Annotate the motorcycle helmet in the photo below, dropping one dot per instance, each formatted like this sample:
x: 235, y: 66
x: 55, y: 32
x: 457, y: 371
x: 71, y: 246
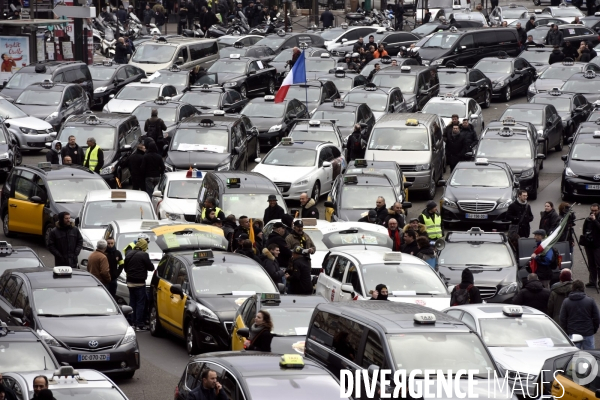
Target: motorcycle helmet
x: 144, y: 236
x: 355, y: 55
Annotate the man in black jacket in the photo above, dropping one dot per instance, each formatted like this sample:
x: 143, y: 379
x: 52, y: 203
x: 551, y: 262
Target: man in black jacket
x: 208, y: 19
x: 533, y: 294
x: 448, y: 128
x: 410, y: 243
x: 579, y: 315
x: 73, y: 150
x: 396, y: 213
x: 65, y: 241
x: 299, y: 273
x: 530, y: 24
x: 455, y: 147
x: 274, y: 211
x: 355, y: 143
x: 115, y: 260
x: 556, y: 56
x: 277, y: 237
x: 521, y: 34
x: 154, y: 128
x: 327, y: 18
x: 370, y: 218
x: 134, y: 163
x: 467, y: 130
x: 467, y: 282
x: 569, y: 51
x: 153, y: 167
x: 121, y: 51
x: 242, y: 229
x: 137, y: 265
x: 309, y: 207
x: 519, y: 213
x: 271, y: 264
x: 591, y: 233
x: 210, y: 389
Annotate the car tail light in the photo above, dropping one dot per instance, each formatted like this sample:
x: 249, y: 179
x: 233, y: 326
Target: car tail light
x: 176, y: 392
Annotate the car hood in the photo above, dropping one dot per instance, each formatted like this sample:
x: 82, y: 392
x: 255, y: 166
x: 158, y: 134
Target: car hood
x: 454, y: 89
x: 180, y: 206
x: 288, y: 344
x: 71, y: 208
x: 400, y: 157
x: 479, y: 193
x: 517, y: 165
x: 93, y: 234
x: 122, y: 106
x: 31, y: 123
x: 223, y: 77
x: 529, y: 360
x: 430, y: 54
x: 224, y: 306
x: 264, y: 124
x: 40, y: 112
x: 283, y: 174
x: 81, y: 327
x: 200, y: 160
x: 437, y: 302
x: 496, y: 77
x: 484, y: 276
x: 589, y: 168
x: 545, y: 85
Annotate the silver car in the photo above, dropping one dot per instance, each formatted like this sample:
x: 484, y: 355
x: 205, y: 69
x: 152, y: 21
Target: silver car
x: 30, y: 132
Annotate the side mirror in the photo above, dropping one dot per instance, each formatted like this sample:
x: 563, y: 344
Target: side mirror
x: 4, y: 84
x: 18, y: 313
x: 344, y: 40
x: 243, y: 332
x: 179, y: 60
x: 176, y: 289
x: 576, y: 337
x: 564, y: 157
x: 326, y: 164
x: 125, y: 148
x: 254, y: 130
x: 540, y: 156
x: 347, y: 288
x: 119, y: 80
x: 474, y: 116
x: 157, y: 193
x: 52, y: 135
x: 7, y: 124
x: 257, y: 160
x: 329, y: 204
x: 407, y: 185
x: 126, y: 310
x: 541, y: 140
x: 36, y: 200
x: 407, y: 204
x: 111, y: 96
x: 441, y: 183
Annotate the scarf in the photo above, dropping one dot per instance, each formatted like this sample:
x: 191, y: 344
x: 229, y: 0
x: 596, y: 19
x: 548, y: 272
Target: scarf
x: 395, y: 235
x: 254, y: 331
x: 521, y: 202
x: 301, y: 239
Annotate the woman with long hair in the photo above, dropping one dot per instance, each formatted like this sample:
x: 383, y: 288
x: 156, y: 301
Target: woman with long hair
x: 260, y: 333
x: 550, y: 219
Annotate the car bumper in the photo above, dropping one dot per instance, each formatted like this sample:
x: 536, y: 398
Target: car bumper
x: 456, y: 216
x: 213, y: 336
x: 498, y: 91
x: 33, y: 142
x: 527, y: 184
x: 291, y: 192
x: 420, y: 180
x: 122, y: 359
x: 579, y: 187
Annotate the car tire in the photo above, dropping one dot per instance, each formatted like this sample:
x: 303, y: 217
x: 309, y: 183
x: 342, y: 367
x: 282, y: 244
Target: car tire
x: 244, y: 91
x: 316, y: 191
x: 7, y: 232
x: 156, y: 329
x: 270, y: 88
x: 18, y: 156
x: 432, y: 188
x: 534, y: 193
x: 47, y: 230
x: 561, y: 142
x: 191, y: 343
x: 488, y: 99
x: 507, y: 93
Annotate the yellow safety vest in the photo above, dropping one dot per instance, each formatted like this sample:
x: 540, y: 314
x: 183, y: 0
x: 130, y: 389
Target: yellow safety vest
x: 93, y: 157
x: 433, y: 226
x: 130, y: 246
x: 217, y: 211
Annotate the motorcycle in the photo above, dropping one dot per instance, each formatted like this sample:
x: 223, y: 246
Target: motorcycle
x: 239, y: 25
x: 104, y: 38
x: 196, y: 32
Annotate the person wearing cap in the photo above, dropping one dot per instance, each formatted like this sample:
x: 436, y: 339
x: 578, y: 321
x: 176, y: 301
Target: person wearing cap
x: 416, y: 226
x: 288, y: 222
x: 274, y: 210
x: 309, y: 207
x: 558, y: 293
x: 533, y: 294
x: 299, y: 238
x: 467, y: 283
x: 277, y: 238
x: 371, y: 218
x: 131, y: 245
x: 137, y: 265
x: 544, y: 263
x: 380, y: 293
x: 432, y: 220
x: 299, y: 274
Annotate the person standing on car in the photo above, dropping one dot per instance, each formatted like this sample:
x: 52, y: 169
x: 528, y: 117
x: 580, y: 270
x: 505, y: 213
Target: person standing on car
x: 134, y: 164
x: 137, y: 265
x: 590, y: 239
x: 65, y: 241
x: 94, y: 156
x: 558, y: 293
x: 579, y: 315
x: 519, y: 214
x: 72, y: 150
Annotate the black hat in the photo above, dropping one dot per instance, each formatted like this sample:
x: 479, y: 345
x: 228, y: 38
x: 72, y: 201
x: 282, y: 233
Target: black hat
x: 278, y: 225
x: 540, y: 232
x: 299, y: 223
x: 272, y: 197
x: 243, y: 236
x: 431, y: 205
x: 372, y: 214
x: 215, y: 220
x: 287, y: 220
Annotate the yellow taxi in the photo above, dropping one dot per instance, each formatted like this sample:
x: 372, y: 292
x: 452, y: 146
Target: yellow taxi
x: 572, y: 376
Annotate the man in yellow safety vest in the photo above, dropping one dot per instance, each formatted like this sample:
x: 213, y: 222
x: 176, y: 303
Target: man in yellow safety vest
x: 210, y: 202
x: 94, y: 157
x: 432, y: 221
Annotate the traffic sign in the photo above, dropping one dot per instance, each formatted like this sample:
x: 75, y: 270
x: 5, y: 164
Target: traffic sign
x: 75, y: 11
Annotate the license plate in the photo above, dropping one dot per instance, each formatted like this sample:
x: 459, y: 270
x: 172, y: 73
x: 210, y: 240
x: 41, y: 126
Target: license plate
x: 93, y: 357
x: 592, y: 187
x: 476, y: 216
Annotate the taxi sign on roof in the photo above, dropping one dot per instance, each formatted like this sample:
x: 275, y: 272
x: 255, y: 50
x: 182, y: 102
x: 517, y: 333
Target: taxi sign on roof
x: 360, y: 163
x: 425, y: 318
x: 266, y: 297
x: 291, y: 361
x: 287, y: 141
x: 309, y: 222
x: 192, y: 239
x: 392, y: 256
x: 512, y: 311
x: 233, y: 181
x: 350, y: 179
x: 5, y: 248
x: 193, y: 173
x: 117, y: 194
x: 203, y: 255
x: 44, y: 165
x: 62, y: 271
x: 412, y: 122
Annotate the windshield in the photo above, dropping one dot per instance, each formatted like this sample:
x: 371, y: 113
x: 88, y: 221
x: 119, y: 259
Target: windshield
x: 184, y: 189
x: 227, y: 277
x: 142, y: 113
x: 504, y: 148
x: 202, y: 100
x: 376, y: 101
x: 582, y: 86
x: 534, y: 331
x: 227, y: 51
x: 313, y: 94
x: 82, y: 393
x: 404, y: 279
x: 290, y: 157
x: 513, y: 13
x: 562, y: 73
x: 568, y: 12
x: 356, y: 237
x: 536, y: 117
x: 494, y: 67
x: 149, y: 53
x: 446, y: 109
x: 99, y: 213
x: 296, y: 386
x: 425, y: 29
x: 476, y: 254
x: 285, y: 55
x: 483, y: 177
x: 21, y: 80
x: 357, y: 197
x: 271, y: 41
x: 39, y: 98
x: 323, y: 135
x: 342, y: 84
x: 228, y: 67
x: 562, y: 104
x: 421, y: 351
x: 24, y: 262
x: 586, y: 152
x: 25, y: 356
x: 141, y: 93
x: 105, y: 137
x: 406, y: 83
x: 73, y: 190
x: 290, y: 321
x: 317, y: 237
x: 323, y: 65
x: 203, y: 139
x: 390, y: 173
x: 536, y: 56
x: 400, y: 139
x: 342, y: 118
x: 169, y: 77
x: 264, y: 110
x: 442, y: 40
x: 452, y: 78
x: 252, y: 205
x: 8, y: 110
x: 100, y: 73
x: 124, y: 239
x: 71, y: 301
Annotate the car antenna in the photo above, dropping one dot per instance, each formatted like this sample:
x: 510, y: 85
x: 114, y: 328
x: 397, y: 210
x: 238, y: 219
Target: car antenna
x: 363, y: 240
x: 45, y: 368
x: 141, y: 213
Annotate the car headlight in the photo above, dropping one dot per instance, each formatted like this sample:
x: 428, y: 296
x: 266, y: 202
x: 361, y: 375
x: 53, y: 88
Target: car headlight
x: 504, y: 204
x: 173, y: 216
x: 448, y: 203
x: 569, y: 172
x: 87, y: 245
x: 105, y: 109
x: 205, y: 312
x: 531, y: 88
x: 302, y: 182
x: 129, y: 336
x: 426, y: 62
x: 50, y: 341
x: 101, y: 89
x: 422, y: 167
x: 500, y: 82
x: 410, y: 104
x: 52, y: 116
x: 527, y: 173
x: 230, y: 84
x: 437, y: 62
x: 4, y: 156
x: 508, y: 289
x: 109, y: 169
x: 169, y: 168
x: 223, y: 167
x: 275, y: 128
x: 28, y: 131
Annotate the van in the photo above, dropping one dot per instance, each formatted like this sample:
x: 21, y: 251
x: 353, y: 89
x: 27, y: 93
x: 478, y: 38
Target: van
x: 414, y: 141
x: 466, y: 47
x: 163, y: 53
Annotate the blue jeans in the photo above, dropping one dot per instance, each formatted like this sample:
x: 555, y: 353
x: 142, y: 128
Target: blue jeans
x: 587, y: 344
x: 137, y: 301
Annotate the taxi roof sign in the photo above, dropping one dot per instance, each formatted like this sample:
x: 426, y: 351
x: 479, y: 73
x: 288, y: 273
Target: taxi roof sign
x: 555, y: 92
x: 62, y: 271
x: 412, y: 122
x: 314, y: 122
x: 270, y: 297
x: 47, y: 83
x: 509, y: 121
x: 233, y: 181
x: 360, y: 162
x: 269, y: 98
x: 370, y: 87
x: 481, y: 161
x: 339, y: 103
x: 596, y: 135
x: 5, y: 248
x: 287, y: 141
x: 506, y: 131
x: 174, y: 68
x: 512, y: 311
x: 589, y: 74
x: 348, y: 179
x: 291, y: 361
x: 425, y: 318
x: 45, y: 165
x: 234, y: 56
x: 118, y: 194
x: 309, y: 221
x: 202, y: 255
x: 218, y: 112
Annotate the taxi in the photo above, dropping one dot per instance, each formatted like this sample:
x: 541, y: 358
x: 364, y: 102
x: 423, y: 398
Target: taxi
x: 33, y: 196
x: 380, y: 100
x: 74, y: 314
x: 244, y: 74
x: 181, y: 79
x: 171, y: 112
x: 520, y: 339
x: 317, y: 130
x: 208, y: 98
x: 190, y: 296
x: 346, y: 115
x: 573, y: 108
x: 581, y: 177
x: 391, y: 169
x: 344, y: 80
x: 24, y: 256
x: 292, y: 314
x: 137, y: 93
x: 569, y: 376
x: 23, y: 350
x: 466, y: 108
x: 109, y: 77
x: 176, y: 194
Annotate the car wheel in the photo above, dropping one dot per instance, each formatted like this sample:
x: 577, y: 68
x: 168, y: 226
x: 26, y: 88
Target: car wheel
x: 432, y: 188
x: 537, y: 2
x: 7, y: 232
x: 271, y: 88
x: 190, y: 339
x: 316, y: 192
x: 507, y: 93
x: 47, y: 231
x: 155, y: 328
x: 244, y: 91
x: 560, y: 144
x: 18, y: 156
x: 488, y: 99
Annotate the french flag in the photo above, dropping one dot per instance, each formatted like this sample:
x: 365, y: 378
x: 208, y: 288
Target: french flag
x: 296, y: 75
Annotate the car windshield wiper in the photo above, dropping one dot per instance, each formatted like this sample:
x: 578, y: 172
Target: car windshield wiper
x: 49, y: 315
x: 479, y: 265
x: 432, y: 47
x: 204, y: 107
x: 85, y: 315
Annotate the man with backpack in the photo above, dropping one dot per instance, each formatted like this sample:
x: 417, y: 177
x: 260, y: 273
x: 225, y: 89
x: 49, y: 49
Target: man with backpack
x: 154, y: 128
x: 466, y: 292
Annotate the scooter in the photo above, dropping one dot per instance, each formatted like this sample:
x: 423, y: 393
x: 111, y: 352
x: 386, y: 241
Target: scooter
x: 196, y: 32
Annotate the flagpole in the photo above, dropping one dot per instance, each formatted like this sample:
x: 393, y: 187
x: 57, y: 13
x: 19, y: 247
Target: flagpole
x: 304, y: 46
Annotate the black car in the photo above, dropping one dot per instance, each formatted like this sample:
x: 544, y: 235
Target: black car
x: 591, y: 22
x: 344, y: 80
x: 418, y: 84
x: 509, y: 76
x: 572, y: 108
x: 21, y: 256
x: 207, y: 99
x: 219, y: 142
x: 478, y: 194
x: 274, y: 120
x: 117, y: 135
x: 109, y: 78
x: 23, y: 350
x: 171, y: 112
x: 538, y: 57
x: 391, y: 169
x: 10, y: 153
x: 232, y: 40
x: 246, y: 75
x: 313, y: 93
x: 280, y: 62
x: 585, y: 83
x: 346, y: 115
x: 263, y: 53
x: 465, y: 82
x: 180, y: 78
x: 518, y: 145
x: 393, y: 41
x: 574, y: 33
x: 595, y: 113
x: 581, y: 177
x: 381, y: 101
x: 557, y: 74
x: 544, y: 117
x: 74, y: 314
x: 288, y: 40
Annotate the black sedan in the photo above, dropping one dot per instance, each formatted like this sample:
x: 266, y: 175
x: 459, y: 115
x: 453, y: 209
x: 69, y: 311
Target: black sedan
x: 344, y: 81
x: 581, y: 177
x: 538, y: 57
x: 346, y: 115
x: 465, y: 82
x: 109, y: 78
x: 508, y: 75
x: 246, y: 75
x: 207, y: 99
x: 572, y: 108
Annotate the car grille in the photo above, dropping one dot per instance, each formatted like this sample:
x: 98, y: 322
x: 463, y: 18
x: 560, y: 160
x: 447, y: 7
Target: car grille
x: 93, y: 350
x: 36, y: 144
x: 190, y: 217
x: 477, y: 206
x: 487, y: 292
x: 283, y: 186
x: 408, y: 168
x: 228, y: 326
x: 589, y: 178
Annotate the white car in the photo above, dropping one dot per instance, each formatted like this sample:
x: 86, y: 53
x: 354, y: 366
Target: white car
x: 508, y: 14
x: 464, y: 107
x: 102, y: 206
x: 32, y: 133
x: 520, y: 339
x: 345, y: 36
x: 137, y: 93
x: 439, y: 8
x: 321, y: 130
x: 176, y: 195
x: 299, y: 167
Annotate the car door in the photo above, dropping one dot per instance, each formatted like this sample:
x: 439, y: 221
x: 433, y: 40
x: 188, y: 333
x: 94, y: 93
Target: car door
x: 371, y: 352
x: 479, y: 85
x: 560, y: 370
x: 521, y: 75
x: 177, y: 303
x: 236, y: 101
x: 240, y: 320
x: 581, y: 109
x: 12, y: 284
x: 162, y: 185
x: 122, y: 78
x: 422, y: 91
x: 67, y: 104
x: 338, y: 274
x: 253, y: 81
x: 353, y: 277
x: 474, y: 116
x: 465, y: 52
x: 165, y: 273
x: 25, y: 210
x: 325, y: 172
x: 238, y: 144
x: 324, y: 281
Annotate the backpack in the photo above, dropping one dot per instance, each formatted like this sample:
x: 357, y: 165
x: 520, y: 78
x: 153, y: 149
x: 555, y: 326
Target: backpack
x: 556, y: 261
x: 153, y: 129
x: 460, y: 296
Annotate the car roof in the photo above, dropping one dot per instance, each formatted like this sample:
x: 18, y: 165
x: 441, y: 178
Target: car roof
x: 414, y: 69
x: 262, y: 100
x: 376, y: 255
x: 219, y: 121
x: 94, y: 379
x: 112, y: 65
x: 481, y: 311
x: 57, y: 171
x: 147, y: 84
x: 547, y: 95
x: 168, y: 104
x: 177, y: 40
x: 579, y: 76
x: 392, y: 120
x: 474, y: 235
x: 40, y: 278
x: 527, y: 106
x: 475, y: 165
x: 494, y: 127
x: 56, y: 87
x: 304, y: 144
x: 250, y: 182
x: 443, y: 99
x: 293, y: 301
x: 375, y: 163
x: 368, y: 178
x: 112, y: 119
x: 51, y: 66
x: 99, y: 195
